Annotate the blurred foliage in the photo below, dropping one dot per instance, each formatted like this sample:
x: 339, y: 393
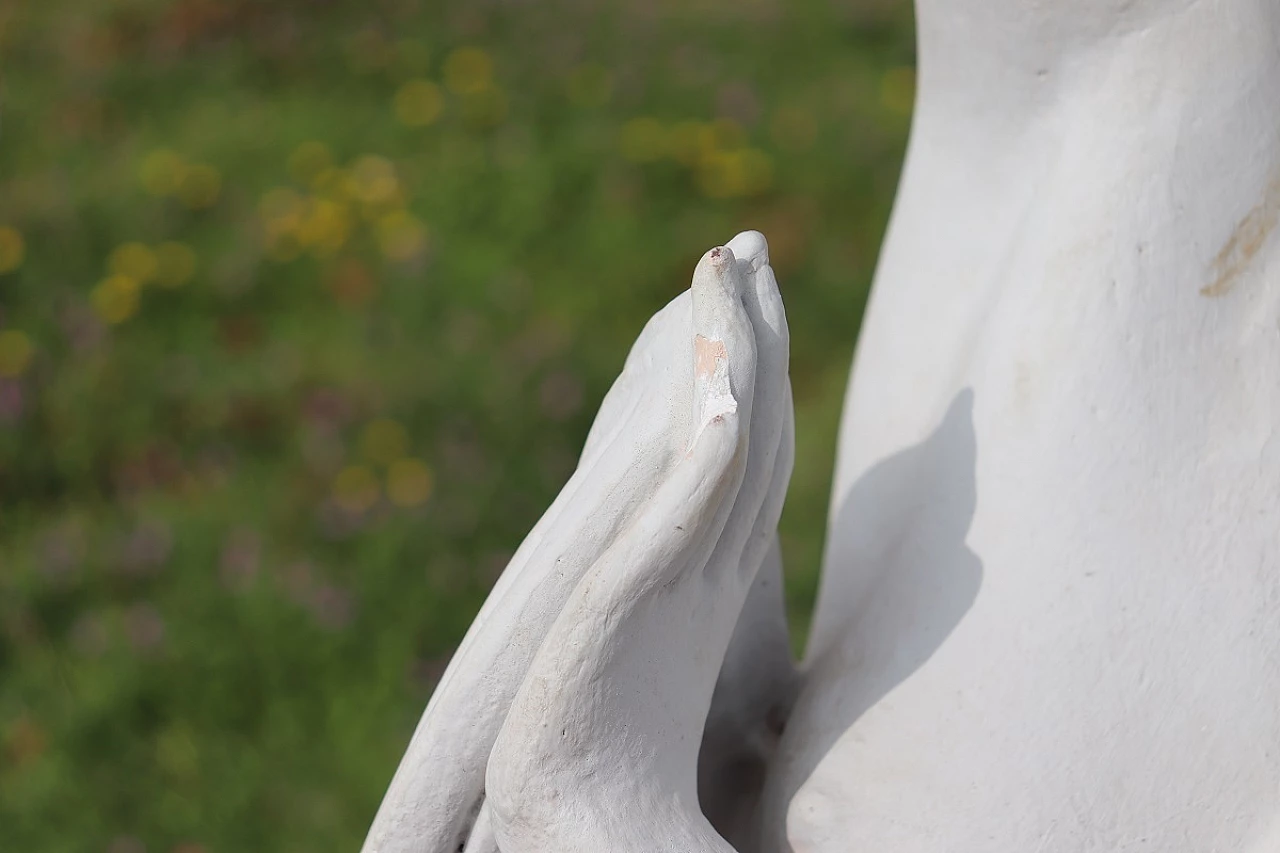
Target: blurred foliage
x: 305, y: 308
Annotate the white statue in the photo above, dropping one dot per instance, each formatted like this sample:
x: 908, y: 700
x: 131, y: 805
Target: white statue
x: 1049, y: 619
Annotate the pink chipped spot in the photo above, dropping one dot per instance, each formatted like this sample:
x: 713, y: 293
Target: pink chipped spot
x: 706, y: 354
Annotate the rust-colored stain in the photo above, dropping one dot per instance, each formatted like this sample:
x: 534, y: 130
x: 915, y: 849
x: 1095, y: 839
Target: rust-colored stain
x: 1246, y: 240
x: 705, y: 355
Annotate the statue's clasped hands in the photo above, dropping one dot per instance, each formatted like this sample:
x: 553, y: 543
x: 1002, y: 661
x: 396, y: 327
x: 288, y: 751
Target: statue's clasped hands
x: 578, y: 714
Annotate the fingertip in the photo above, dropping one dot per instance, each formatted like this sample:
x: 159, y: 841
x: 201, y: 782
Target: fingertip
x: 726, y: 354
x: 717, y: 271
x: 751, y: 247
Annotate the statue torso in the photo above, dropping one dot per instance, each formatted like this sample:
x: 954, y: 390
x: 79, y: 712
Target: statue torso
x: 1050, y: 612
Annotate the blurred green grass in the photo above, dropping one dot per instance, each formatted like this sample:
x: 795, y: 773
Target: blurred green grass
x: 305, y: 308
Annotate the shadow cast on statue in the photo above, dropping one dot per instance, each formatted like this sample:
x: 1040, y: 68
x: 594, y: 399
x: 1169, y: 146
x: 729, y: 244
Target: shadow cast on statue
x: 899, y: 577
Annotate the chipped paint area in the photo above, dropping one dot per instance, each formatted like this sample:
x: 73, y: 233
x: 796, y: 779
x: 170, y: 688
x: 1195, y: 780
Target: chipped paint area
x: 1247, y: 239
x: 706, y: 355
x: 711, y: 382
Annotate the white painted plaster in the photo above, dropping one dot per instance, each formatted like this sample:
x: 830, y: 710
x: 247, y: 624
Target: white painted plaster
x: 1049, y: 617
x: 683, y: 400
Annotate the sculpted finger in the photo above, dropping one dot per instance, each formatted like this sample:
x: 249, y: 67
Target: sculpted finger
x: 595, y: 753
x: 642, y: 433
x: 756, y: 686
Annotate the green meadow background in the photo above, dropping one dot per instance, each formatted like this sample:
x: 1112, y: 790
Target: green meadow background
x: 305, y: 310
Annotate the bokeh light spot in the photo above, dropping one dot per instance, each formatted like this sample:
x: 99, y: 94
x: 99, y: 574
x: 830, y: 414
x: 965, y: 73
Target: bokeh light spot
x: 726, y: 133
x: 409, y: 482
x: 375, y: 180
x: 355, y: 489
x: 733, y: 174
x: 689, y: 141
x: 115, y: 298
x: 133, y: 259
x: 401, y: 236
x: 325, y: 227
x: 418, y: 103
x: 162, y: 172
x: 200, y: 186
x: 282, y: 211
x: 383, y: 441
x: 15, y: 352
x: 334, y: 183
x: 12, y: 249
x: 468, y: 71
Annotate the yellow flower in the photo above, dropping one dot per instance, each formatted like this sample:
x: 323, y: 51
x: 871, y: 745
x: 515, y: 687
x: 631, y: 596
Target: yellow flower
x: 383, y: 441
x: 15, y: 352
x: 325, y: 227
x: 282, y: 211
x: 400, y: 235
x: 409, y: 482
x: 333, y: 183
x: 898, y: 90
x: 731, y: 174
x: 12, y: 249
x: 418, y: 103
x: 134, y: 260
x: 726, y: 133
x: 642, y: 140
x: 690, y: 141
x: 375, y: 180
x: 468, y: 70
x: 355, y: 488
x: 309, y: 160
x: 175, y: 264
x: 200, y: 186
x: 116, y: 298
x: 162, y: 172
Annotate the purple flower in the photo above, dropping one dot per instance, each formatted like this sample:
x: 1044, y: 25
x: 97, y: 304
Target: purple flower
x: 61, y: 552
x: 11, y: 399
x: 331, y: 606
x: 241, y: 559
x: 144, y: 627
x: 126, y: 844
x: 146, y: 548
